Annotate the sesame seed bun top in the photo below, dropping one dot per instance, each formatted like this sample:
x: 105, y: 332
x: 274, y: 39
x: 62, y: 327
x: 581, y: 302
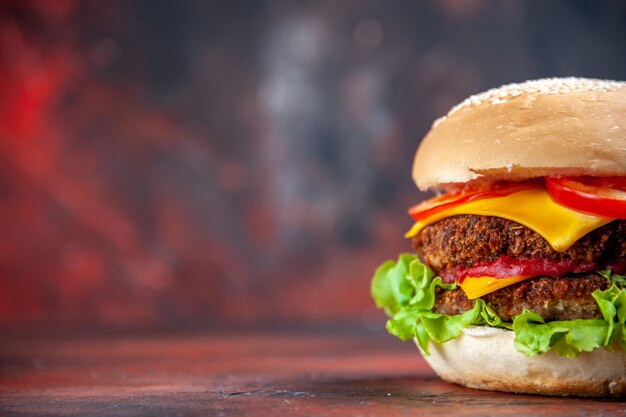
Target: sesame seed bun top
x: 552, y: 126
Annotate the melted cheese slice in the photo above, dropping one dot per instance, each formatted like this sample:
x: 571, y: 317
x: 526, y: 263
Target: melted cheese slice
x: 533, y: 208
x: 479, y: 286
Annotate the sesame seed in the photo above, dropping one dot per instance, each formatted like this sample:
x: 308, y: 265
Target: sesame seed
x: 535, y: 87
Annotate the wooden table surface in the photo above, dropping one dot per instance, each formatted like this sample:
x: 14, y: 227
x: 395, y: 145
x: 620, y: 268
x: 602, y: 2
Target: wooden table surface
x: 252, y: 373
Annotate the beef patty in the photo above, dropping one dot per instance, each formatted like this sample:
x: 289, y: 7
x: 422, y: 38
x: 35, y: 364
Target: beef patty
x: 465, y: 240
x: 564, y: 298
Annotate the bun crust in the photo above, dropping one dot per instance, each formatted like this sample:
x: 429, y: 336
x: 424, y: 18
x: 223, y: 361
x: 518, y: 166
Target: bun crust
x: 556, y: 126
x: 485, y: 358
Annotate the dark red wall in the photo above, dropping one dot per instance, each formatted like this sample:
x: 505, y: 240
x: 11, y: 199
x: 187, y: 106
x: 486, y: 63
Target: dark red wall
x: 176, y: 163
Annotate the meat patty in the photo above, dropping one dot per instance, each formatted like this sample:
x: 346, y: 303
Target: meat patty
x: 565, y: 298
x: 466, y: 240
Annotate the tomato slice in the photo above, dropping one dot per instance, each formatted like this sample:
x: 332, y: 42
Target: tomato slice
x: 603, y: 196
x: 429, y: 207
x: 434, y: 205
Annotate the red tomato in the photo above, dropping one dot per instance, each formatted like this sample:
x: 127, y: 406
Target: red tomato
x: 434, y: 205
x: 603, y: 196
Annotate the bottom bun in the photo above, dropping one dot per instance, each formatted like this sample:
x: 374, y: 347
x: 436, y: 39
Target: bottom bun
x: 484, y: 357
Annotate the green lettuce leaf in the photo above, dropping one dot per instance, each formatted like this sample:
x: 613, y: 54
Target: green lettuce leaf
x: 612, y: 303
x: 406, y: 291
x: 441, y: 328
x: 619, y: 280
x: 492, y: 319
x: 567, y: 338
x: 390, y: 287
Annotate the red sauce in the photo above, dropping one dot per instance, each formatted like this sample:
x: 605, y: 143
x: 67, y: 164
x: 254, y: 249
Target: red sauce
x: 506, y: 266
x: 618, y: 267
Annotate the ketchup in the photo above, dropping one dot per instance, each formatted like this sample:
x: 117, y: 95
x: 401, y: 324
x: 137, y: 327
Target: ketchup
x: 507, y: 266
x: 618, y: 267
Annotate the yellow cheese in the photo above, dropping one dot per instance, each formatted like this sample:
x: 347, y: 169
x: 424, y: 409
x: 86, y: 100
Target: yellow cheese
x: 533, y: 208
x: 479, y: 286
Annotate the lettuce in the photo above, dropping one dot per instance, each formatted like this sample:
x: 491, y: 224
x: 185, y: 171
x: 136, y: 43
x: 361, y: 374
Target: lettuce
x: 406, y: 291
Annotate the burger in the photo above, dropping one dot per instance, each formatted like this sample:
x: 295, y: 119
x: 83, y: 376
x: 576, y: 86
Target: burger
x: 517, y: 281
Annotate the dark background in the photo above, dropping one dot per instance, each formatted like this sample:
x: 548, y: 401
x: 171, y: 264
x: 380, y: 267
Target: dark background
x: 204, y: 163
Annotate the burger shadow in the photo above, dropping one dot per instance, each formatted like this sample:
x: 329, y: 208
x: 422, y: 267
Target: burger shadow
x: 429, y: 390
